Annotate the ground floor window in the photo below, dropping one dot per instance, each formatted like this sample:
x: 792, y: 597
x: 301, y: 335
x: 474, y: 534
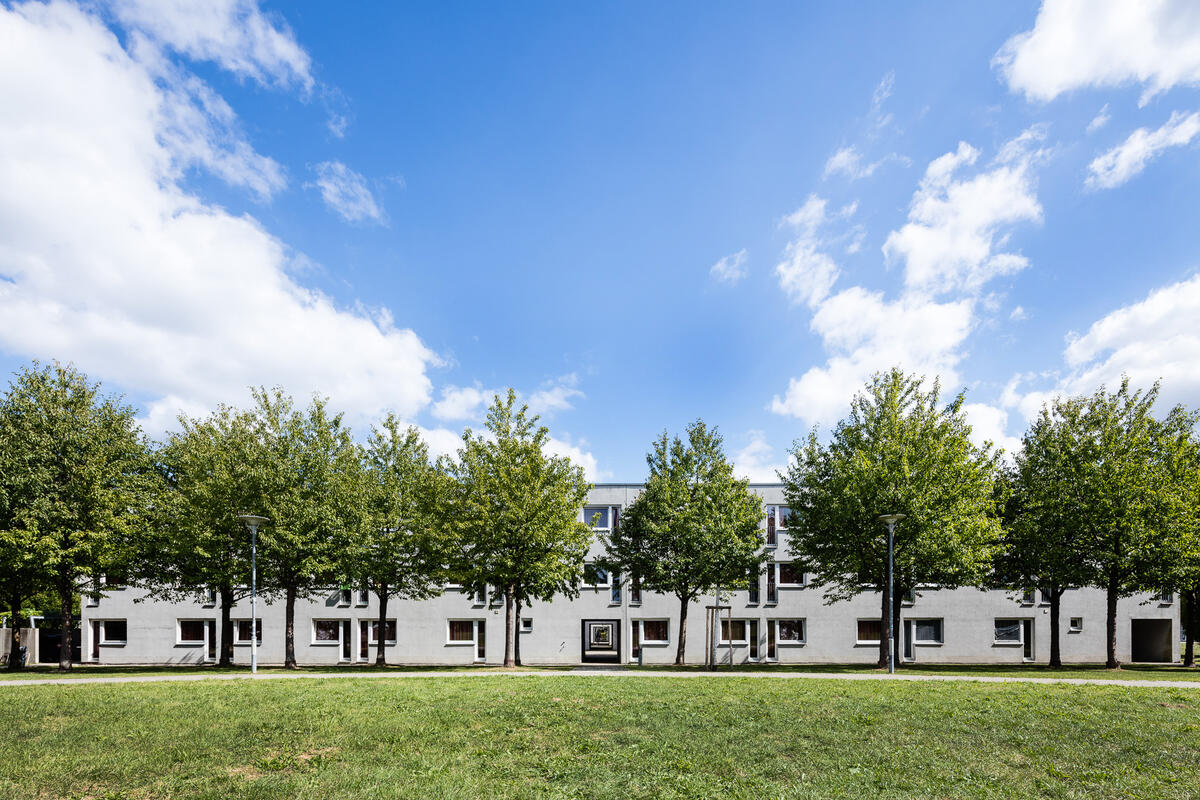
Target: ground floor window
x: 190, y: 631
x: 389, y: 632
x: 734, y: 631
x: 1017, y: 631
x: 791, y: 631
x: 1076, y: 624
x: 241, y: 628
x: 526, y: 624
x: 114, y: 631
x: 648, y: 632
x: 1008, y: 631
x: 928, y: 631
x: 468, y: 632
x: 327, y: 631
x: 870, y: 631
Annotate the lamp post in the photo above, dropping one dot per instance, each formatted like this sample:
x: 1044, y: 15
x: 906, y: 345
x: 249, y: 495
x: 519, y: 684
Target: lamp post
x: 890, y: 520
x: 253, y: 522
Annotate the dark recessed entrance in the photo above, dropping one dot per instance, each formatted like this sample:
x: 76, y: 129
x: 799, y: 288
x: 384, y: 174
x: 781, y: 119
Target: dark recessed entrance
x: 1151, y: 640
x: 600, y: 641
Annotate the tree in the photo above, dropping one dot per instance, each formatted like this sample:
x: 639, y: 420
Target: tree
x: 511, y: 511
x: 398, y: 551
x: 1046, y: 535
x: 897, y: 452
x: 81, y: 482
x: 308, y: 475
x: 1184, y: 533
x: 694, y: 528
x: 199, y: 543
x: 1128, y: 490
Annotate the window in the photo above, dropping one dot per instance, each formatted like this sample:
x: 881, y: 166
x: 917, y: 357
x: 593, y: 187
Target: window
x: 1166, y: 597
x: 908, y: 598
x: 468, y: 632
x: 735, y: 628
x: 1027, y: 597
x: 389, y: 632
x: 1044, y: 598
x: 344, y: 597
x: 655, y: 631
x: 772, y: 538
x: 191, y: 631
x: 526, y: 624
x: 363, y: 598
x: 789, y: 574
x: 1008, y: 631
x: 113, y: 631
x: 1076, y: 625
x: 615, y: 595
x: 596, y: 516
x: 927, y: 631
x: 791, y: 631
x: 752, y: 589
x: 635, y: 591
x: 92, y: 600
x: 210, y: 598
x: 870, y: 631
x: 242, y: 631
x: 772, y: 584
x: 594, y: 576
x: 784, y: 515
x: 327, y: 631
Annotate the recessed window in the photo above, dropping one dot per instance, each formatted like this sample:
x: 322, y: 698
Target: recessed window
x: 344, y: 597
x: 635, y: 591
x: 468, y: 632
x: 1008, y: 631
x: 1166, y: 597
x: 733, y: 631
x: 1028, y: 597
x: 327, y: 631
x: 526, y: 624
x: 389, y: 632
x: 754, y: 585
x: 596, y: 517
x: 210, y: 598
x: 927, y: 631
x: 870, y: 631
x: 656, y: 631
x: 614, y: 597
x: 790, y: 575
x: 1044, y: 598
x: 1076, y: 624
x: 908, y: 598
x: 595, y: 576
x: 191, y: 631
x: 241, y: 629
x: 114, y: 631
x: 790, y: 631
x: 363, y: 598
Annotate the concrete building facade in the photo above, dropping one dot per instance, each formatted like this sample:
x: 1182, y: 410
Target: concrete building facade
x: 784, y: 621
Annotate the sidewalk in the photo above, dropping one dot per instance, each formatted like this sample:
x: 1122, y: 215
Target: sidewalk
x: 603, y: 675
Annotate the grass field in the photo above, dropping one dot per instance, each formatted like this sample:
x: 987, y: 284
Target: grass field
x: 578, y: 736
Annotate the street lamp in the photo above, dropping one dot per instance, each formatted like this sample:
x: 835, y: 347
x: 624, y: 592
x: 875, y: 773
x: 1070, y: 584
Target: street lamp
x: 890, y: 520
x: 253, y: 522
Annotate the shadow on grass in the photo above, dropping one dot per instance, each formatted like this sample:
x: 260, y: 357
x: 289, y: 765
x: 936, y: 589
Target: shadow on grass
x: 1100, y: 671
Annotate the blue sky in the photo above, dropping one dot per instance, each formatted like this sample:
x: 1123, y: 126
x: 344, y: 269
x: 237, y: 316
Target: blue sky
x: 635, y: 214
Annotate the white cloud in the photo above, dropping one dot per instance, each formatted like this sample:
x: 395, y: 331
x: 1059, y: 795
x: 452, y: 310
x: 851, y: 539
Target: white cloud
x: 730, y: 269
x: 555, y: 395
x: 578, y: 455
x: 807, y: 274
x: 1100, y: 120
x: 233, y: 33
x: 1077, y: 44
x: 990, y: 424
x: 1019, y: 313
x: 950, y: 240
x: 337, y: 124
x: 848, y: 161
x: 948, y: 247
x: 346, y: 192
x: 756, y: 460
x: 107, y: 261
x: 1131, y: 156
x: 880, y: 119
x: 463, y: 402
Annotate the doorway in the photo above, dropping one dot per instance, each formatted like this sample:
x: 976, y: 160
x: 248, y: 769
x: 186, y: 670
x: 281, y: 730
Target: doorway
x: 1150, y: 640
x: 600, y: 641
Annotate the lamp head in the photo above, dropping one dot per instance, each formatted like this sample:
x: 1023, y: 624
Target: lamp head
x: 891, y: 519
x: 253, y: 521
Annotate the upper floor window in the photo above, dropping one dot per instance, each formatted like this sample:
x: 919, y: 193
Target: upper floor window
x: 595, y: 575
x: 601, y: 517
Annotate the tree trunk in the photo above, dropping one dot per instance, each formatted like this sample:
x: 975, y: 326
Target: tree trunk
x: 1111, y: 624
x: 289, y: 630
x: 517, y: 641
x: 381, y: 636
x: 509, y: 628
x: 1055, y: 615
x: 66, y: 596
x: 14, y: 644
x: 1189, y: 621
x: 226, y: 657
x: 682, y: 648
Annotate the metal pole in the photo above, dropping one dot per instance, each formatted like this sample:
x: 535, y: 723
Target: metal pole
x: 253, y: 599
x: 891, y: 637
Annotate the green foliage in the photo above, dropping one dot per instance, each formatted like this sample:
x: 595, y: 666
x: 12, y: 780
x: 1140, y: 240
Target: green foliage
x: 77, y: 486
x: 512, y: 512
x: 897, y: 452
x: 694, y: 528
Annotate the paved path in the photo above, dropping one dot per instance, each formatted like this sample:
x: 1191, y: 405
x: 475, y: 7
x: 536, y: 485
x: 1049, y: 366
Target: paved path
x: 602, y: 674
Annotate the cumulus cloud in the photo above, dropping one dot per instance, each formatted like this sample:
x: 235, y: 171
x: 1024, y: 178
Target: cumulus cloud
x: 1100, y: 120
x: 1131, y: 156
x: 463, y: 402
x: 346, y: 193
x: 949, y: 246
x: 555, y: 395
x: 108, y: 261
x: 730, y: 269
x: 756, y: 461
x: 954, y: 223
x: 990, y: 424
x: 235, y: 34
x: 807, y: 273
x: 1078, y: 44
x: 848, y: 161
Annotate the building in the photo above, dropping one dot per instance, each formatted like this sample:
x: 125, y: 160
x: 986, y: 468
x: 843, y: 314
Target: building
x: 782, y: 621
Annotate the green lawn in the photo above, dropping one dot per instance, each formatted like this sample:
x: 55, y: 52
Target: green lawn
x: 567, y: 736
